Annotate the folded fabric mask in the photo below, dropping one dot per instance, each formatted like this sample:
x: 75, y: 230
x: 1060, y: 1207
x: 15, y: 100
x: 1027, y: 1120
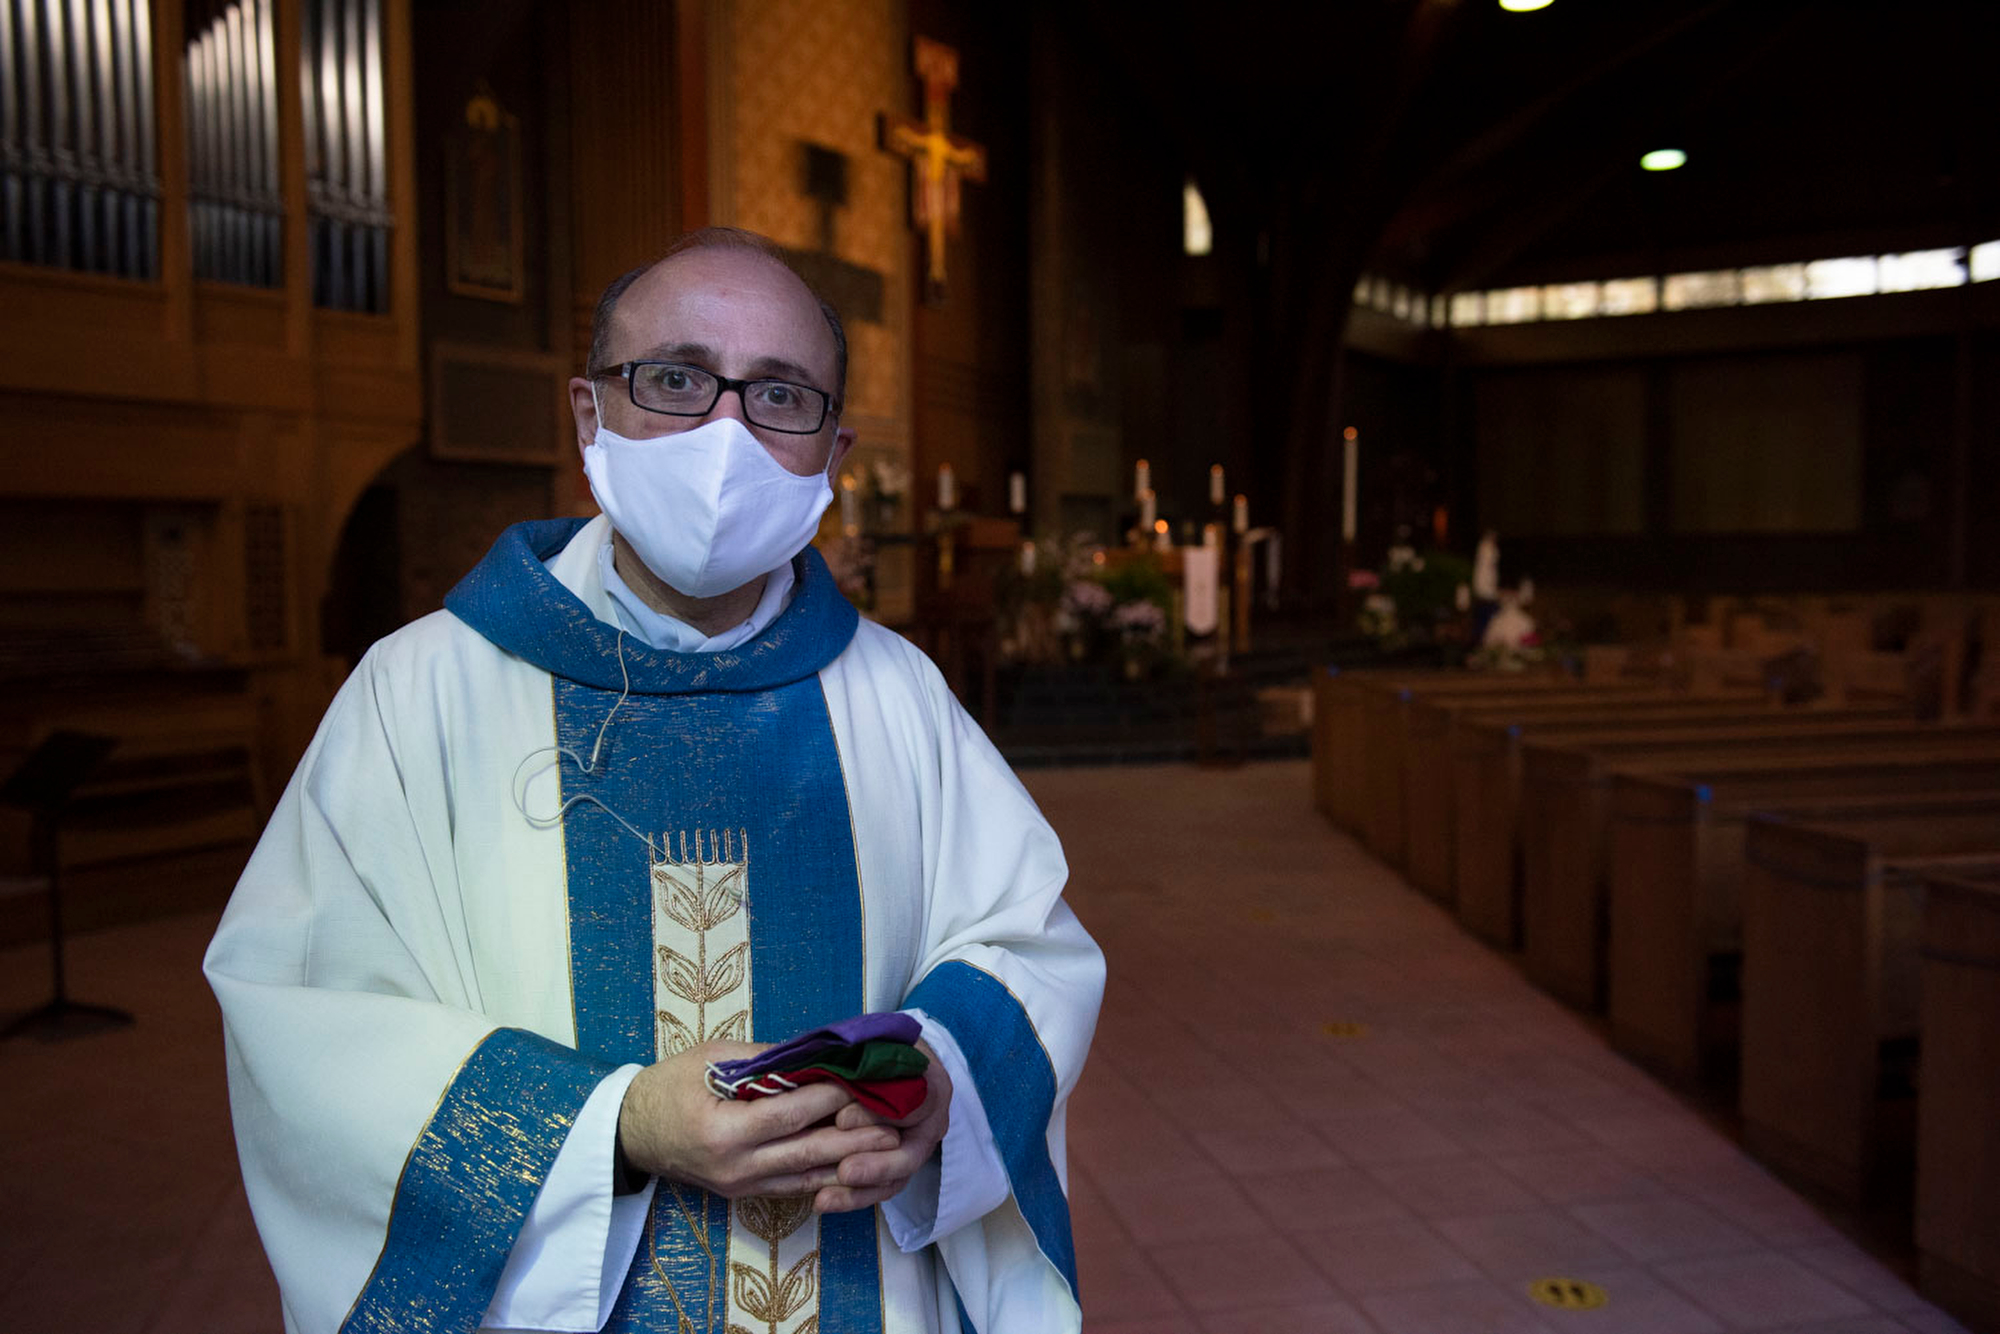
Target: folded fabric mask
x: 872, y: 1056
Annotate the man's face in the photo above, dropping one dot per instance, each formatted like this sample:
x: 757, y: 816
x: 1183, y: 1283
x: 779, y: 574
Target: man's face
x: 732, y: 312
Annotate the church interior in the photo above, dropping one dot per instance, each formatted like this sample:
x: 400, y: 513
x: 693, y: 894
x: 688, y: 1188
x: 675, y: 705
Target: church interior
x: 1475, y: 520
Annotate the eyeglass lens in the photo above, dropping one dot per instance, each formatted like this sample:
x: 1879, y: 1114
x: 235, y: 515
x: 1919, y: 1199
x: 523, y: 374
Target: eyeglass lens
x: 690, y: 391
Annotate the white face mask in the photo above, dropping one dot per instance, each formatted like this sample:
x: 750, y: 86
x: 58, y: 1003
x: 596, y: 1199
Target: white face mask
x: 709, y: 509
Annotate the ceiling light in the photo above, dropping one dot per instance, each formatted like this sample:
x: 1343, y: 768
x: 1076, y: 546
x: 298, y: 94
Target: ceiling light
x: 1523, y: 6
x: 1663, y: 159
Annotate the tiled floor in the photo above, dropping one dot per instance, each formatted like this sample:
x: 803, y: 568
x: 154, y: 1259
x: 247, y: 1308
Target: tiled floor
x: 1313, y: 1106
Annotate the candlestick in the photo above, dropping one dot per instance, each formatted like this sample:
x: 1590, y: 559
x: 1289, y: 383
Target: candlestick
x: 947, y: 488
x: 850, y: 505
x: 1142, y: 478
x: 1017, y: 493
x: 1147, y: 509
x: 1240, y: 521
x: 1216, y: 491
x: 1349, y: 477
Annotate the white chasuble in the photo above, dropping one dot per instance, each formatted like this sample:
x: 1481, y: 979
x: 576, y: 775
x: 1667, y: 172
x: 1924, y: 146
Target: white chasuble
x: 426, y: 969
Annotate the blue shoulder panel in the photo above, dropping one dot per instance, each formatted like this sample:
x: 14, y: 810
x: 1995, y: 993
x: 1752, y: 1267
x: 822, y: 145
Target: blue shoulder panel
x: 470, y: 1181
x: 1017, y: 1086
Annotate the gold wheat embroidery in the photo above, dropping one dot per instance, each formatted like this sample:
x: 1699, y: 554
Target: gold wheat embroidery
x: 774, y: 1295
x: 700, y: 893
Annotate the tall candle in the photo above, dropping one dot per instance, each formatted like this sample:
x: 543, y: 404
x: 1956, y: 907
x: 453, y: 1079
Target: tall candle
x: 1142, y: 477
x: 1027, y: 555
x: 1017, y: 493
x: 1349, y: 476
x: 1240, y: 520
x: 1216, y: 491
x: 850, y: 505
x: 947, y: 488
x: 1148, y: 508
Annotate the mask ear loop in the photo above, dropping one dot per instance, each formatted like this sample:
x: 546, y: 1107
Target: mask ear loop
x: 519, y: 790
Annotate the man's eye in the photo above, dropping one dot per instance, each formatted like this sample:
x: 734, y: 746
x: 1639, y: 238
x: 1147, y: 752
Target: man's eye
x: 778, y: 395
x: 675, y: 379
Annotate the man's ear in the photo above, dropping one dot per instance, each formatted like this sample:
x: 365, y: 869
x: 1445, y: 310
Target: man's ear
x: 843, y: 441
x: 583, y: 408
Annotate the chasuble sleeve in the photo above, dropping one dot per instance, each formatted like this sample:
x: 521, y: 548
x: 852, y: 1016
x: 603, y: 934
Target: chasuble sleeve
x: 392, y: 1136
x: 1013, y: 976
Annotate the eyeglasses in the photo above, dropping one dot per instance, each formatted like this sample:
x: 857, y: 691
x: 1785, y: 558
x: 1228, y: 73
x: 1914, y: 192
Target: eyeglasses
x: 689, y: 391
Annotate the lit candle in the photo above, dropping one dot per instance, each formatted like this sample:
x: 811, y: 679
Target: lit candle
x: 1161, y: 542
x: 1216, y: 490
x: 1027, y: 554
x: 1017, y: 493
x: 947, y: 488
x: 1142, y: 478
x: 850, y: 505
x: 1147, y: 508
x: 1349, y: 476
x: 1240, y: 521
x: 1211, y: 534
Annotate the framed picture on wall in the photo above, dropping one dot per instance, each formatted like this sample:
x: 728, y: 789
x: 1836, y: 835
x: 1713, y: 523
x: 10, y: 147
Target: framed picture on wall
x: 482, y: 191
x: 499, y: 405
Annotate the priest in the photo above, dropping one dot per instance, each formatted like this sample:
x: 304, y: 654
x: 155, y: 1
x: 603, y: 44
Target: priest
x: 646, y: 796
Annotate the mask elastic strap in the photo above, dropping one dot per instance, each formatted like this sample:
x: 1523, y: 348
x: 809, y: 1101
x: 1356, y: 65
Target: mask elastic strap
x: 518, y: 789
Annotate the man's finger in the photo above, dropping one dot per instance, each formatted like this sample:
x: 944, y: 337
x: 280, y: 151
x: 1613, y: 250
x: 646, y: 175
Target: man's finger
x: 788, y: 1113
x: 844, y: 1199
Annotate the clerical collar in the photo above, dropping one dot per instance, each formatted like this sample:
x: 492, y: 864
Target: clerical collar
x: 677, y: 636
x: 543, y: 602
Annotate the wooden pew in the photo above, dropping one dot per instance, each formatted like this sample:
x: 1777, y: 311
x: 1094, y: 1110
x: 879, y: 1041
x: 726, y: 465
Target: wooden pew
x: 1958, y: 1107
x: 1486, y: 787
x: 1342, y: 700
x: 1832, y: 915
x: 1437, y: 726
x: 1386, y: 735
x: 1675, y: 916
x: 1565, y: 822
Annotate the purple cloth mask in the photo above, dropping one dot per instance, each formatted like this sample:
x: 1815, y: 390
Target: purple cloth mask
x: 889, y: 1026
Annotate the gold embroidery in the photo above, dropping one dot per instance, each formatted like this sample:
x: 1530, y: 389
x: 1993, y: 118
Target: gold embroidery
x: 700, y: 893
x: 775, y: 1295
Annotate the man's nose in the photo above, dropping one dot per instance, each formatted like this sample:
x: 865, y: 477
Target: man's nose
x: 729, y: 403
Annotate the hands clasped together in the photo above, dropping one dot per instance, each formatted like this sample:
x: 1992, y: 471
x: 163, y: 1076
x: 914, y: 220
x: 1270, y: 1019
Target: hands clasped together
x: 815, y: 1140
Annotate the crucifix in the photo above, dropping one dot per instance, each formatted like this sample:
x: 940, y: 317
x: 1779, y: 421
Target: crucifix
x: 939, y: 159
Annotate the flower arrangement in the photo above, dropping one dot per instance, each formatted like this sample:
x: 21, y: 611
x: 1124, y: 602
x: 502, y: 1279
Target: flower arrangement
x: 1066, y: 602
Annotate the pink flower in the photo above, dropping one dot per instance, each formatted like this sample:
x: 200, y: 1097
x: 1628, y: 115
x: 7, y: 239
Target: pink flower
x: 1363, y: 579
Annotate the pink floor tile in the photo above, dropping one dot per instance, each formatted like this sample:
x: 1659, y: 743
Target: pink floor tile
x: 1761, y: 1290
x: 1120, y: 1283
x: 1162, y: 1324
x: 1298, y: 1202
x: 1636, y: 1303
x: 1493, y: 1128
x: 1383, y: 1137
x: 1273, y: 1146
x: 1453, y: 1187
x: 1310, y: 1318
x: 1390, y: 1253
x: 1255, y: 1271
x: 1861, y: 1274
x: 1667, y: 1228
x: 1530, y: 1246
x: 1452, y: 1308
x: 1581, y: 1176
x: 1196, y: 1204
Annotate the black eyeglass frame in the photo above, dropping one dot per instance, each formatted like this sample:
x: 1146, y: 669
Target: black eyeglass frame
x: 723, y: 384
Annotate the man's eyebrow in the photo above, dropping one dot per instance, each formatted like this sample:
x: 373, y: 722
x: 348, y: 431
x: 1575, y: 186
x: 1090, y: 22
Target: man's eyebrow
x: 701, y: 354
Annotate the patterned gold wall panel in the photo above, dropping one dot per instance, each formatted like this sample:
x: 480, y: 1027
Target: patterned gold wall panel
x: 819, y: 71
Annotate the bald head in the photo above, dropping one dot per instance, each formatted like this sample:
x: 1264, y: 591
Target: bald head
x: 724, y: 251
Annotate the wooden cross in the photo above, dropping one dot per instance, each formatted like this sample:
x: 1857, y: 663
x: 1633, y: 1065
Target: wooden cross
x: 939, y: 159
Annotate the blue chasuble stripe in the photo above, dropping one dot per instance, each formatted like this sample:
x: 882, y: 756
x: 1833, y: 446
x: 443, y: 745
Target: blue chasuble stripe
x: 761, y: 765
x: 1017, y: 1086
x: 470, y: 1181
